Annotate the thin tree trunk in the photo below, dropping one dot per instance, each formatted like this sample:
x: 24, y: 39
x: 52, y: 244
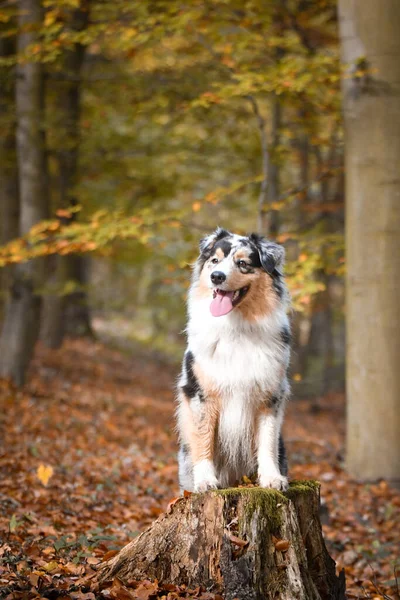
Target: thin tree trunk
x: 273, y: 190
x: 321, y: 342
x: 267, y: 217
x: 22, y: 314
x: 300, y: 321
x: 9, y: 208
x: 77, y: 312
x: 369, y: 32
x: 65, y: 268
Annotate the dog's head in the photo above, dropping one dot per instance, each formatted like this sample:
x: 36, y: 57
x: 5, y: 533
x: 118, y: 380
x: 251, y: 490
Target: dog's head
x: 241, y: 273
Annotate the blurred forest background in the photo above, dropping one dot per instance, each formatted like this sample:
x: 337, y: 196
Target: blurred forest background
x: 141, y: 127
x: 129, y: 130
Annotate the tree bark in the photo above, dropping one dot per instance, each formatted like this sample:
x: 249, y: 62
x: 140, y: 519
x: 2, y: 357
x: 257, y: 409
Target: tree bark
x: 243, y: 543
x: 371, y: 88
x: 268, y: 218
x: 56, y: 302
x: 77, y: 312
x: 22, y: 314
x: 9, y: 209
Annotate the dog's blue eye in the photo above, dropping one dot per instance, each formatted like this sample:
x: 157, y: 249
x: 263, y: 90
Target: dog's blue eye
x: 242, y: 263
x: 214, y: 261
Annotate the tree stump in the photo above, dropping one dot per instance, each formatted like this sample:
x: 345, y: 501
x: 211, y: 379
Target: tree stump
x: 243, y: 543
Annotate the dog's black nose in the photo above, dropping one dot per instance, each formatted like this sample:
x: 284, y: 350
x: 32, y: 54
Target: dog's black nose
x: 218, y: 277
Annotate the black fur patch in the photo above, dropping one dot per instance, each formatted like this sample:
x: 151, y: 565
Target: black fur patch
x: 185, y: 449
x: 192, y: 387
x: 271, y: 254
x: 224, y: 245
x: 206, y: 251
x: 286, y: 336
x: 277, y: 283
x: 283, y: 462
x: 274, y: 400
x: 254, y: 257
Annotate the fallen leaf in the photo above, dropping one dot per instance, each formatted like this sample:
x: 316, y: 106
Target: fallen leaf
x: 13, y: 524
x: 172, y: 503
x: 109, y: 554
x: 44, y: 473
x: 238, y: 541
x: 51, y: 566
x: 282, y: 545
x: 34, y: 579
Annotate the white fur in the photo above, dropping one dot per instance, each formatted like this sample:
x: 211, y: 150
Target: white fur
x: 238, y: 355
x: 185, y: 471
x: 267, y: 458
x: 204, y: 476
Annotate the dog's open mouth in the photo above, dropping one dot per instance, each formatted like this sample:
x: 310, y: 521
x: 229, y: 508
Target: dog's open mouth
x: 224, y: 301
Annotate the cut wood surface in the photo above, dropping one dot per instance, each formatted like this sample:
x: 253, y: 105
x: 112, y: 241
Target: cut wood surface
x: 244, y: 543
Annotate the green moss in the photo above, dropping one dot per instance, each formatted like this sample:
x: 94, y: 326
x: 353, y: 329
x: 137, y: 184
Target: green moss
x: 307, y: 486
x: 266, y: 501
x: 258, y: 499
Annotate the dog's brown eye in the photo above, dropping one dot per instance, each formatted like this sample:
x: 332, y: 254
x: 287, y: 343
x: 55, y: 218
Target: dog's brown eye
x: 214, y: 261
x: 242, y: 264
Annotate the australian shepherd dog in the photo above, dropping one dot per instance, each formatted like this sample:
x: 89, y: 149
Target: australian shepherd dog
x: 233, y: 387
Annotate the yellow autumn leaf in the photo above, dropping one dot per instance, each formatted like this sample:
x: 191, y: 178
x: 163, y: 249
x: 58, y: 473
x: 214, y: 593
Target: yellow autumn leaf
x: 196, y: 206
x: 44, y: 473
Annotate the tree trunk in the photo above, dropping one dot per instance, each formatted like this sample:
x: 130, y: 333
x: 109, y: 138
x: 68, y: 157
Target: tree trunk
x: 56, y: 302
x: 369, y: 32
x: 9, y: 209
x: 243, y: 543
x: 267, y: 218
x: 300, y: 321
x: 22, y: 314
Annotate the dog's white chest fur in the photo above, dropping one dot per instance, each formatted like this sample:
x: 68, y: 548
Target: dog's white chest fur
x: 240, y: 358
x: 244, y: 364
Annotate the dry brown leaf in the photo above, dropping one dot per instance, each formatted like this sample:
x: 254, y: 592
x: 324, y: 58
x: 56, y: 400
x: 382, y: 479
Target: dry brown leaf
x: 109, y: 554
x: 172, y: 503
x: 282, y: 545
x: 237, y: 541
x: 34, y: 579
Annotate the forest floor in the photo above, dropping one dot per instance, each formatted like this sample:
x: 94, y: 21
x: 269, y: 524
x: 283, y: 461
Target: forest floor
x: 88, y: 460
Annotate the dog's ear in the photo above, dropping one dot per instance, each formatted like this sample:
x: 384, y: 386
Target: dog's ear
x: 208, y: 242
x: 272, y: 255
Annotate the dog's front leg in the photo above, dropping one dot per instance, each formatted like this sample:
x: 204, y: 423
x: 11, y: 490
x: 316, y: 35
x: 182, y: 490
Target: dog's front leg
x: 269, y: 425
x: 198, y: 422
x: 203, y: 446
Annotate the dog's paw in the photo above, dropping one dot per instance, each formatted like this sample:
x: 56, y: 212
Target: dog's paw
x: 274, y: 481
x: 204, y: 476
x: 205, y: 485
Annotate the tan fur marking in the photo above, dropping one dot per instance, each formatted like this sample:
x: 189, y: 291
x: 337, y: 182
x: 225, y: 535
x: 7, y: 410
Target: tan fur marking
x: 263, y: 410
x: 241, y: 254
x: 206, y: 384
x: 200, y: 429
x: 260, y: 300
x: 219, y: 254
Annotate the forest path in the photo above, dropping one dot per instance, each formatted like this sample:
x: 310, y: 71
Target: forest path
x: 99, y: 425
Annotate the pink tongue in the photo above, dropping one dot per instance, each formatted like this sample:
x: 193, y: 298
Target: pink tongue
x: 221, y: 304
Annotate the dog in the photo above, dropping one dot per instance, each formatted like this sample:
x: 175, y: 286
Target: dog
x: 233, y: 386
